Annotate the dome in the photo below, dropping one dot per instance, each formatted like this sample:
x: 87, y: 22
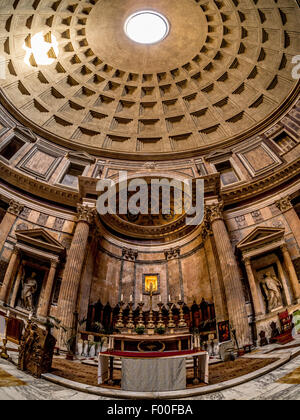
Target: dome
x: 220, y: 73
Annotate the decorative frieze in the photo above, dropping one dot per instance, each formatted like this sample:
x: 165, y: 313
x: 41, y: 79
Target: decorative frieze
x: 284, y: 204
x: 15, y: 208
x: 171, y: 254
x: 257, y: 216
x: 129, y: 254
x: 58, y: 224
x: 25, y: 213
x: 241, y: 221
x: 42, y: 220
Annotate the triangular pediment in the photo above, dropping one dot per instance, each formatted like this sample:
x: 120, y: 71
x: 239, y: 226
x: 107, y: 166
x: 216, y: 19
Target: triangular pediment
x: 26, y: 132
x: 219, y: 153
x: 40, y: 238
x: 261, y: 235
x: 81, y: 156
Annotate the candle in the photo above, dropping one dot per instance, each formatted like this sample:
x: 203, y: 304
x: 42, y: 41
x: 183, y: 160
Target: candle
x: 180, y: 298
x: 30, y: 316
x: 131, y: 298
x: 8, y: 314
x: 141, y: 297
x: 169, y: 298
x: 122, y: 298
x: 160, y: 298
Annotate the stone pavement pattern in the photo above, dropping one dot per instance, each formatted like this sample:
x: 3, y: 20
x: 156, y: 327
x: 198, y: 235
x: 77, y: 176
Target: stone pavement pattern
x: 264, y: 388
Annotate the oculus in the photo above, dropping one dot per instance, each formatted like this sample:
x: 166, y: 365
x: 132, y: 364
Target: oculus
x: 147, y: 27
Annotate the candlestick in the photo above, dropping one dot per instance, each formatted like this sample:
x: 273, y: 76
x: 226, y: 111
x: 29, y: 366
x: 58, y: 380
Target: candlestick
x: 160, y: 317
x: 151, y: 325
x: 182, y: 323
x: 141, y: 317
x: 130, y: 324
x: 171, y: 323
x: 120, y: 323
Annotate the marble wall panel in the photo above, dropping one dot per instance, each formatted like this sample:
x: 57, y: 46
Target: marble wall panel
x: 196, y: 278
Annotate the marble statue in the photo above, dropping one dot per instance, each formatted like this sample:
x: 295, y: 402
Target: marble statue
x: 272, y: 288
x: 29, y: 289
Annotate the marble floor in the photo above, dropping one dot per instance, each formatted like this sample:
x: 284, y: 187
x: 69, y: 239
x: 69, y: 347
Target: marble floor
x: 264, y: 388
x: 38, y: 389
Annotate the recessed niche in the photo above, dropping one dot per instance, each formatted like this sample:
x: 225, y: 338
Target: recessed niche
x: 12, y: 148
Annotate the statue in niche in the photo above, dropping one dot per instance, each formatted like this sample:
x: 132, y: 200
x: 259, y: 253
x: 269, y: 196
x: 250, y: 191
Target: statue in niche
x: 29, y: 289
x: 272, y: 287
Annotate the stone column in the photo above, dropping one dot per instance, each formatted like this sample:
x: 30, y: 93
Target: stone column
x: 46, y: 298
x: 11, y: 269
x: 286, y: 207
x: 253, y: 287
x: 8, y: 221
x: 72, y: 274
x: 292, y: 272
x: 215, y: 274
x: 87, y: 278
x: 17, y: 286
x: 284, y: 283
x: 233, y: 286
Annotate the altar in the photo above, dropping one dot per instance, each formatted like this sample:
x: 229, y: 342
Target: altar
x: 153, y: 371
x: 153, y: 354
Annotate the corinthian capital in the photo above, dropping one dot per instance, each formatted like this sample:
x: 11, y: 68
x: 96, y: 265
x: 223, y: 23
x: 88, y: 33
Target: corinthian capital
x: 284, y: 204
x: 206, y: 227
x: 15, y: 208
x: 86, y: 213
x: 171, y: 254
x: 215, y: 212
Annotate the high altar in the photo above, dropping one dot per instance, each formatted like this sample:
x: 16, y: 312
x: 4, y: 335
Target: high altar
x: 156, y: 360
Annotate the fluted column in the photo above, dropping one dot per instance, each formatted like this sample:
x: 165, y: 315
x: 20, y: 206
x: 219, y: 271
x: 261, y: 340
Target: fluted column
x: 46, y: 298
x: 8, y: 276
x: 72, y: 273
x: 215, y: 274
x: 253, y: 287
x: 8, y: 221
x: 286, y: 207
x: 291, y: 271
x: 233, y: 286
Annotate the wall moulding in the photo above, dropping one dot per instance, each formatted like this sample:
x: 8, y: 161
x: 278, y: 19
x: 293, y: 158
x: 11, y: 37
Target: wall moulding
x: 47, y: 155
x: 38, y: 188
x: 262, y: 184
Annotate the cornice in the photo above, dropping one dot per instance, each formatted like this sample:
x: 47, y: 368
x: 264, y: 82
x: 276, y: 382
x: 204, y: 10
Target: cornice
x: 38, y: 188
x: 262, y: 184
x: 65, y: 197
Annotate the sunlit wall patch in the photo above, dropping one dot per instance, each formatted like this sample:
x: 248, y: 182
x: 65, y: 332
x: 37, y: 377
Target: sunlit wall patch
x: 41, y: 50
